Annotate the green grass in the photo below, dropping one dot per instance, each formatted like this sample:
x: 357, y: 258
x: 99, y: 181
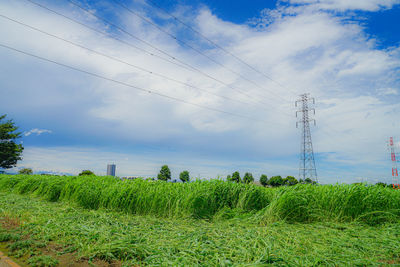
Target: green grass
x: 88, y: 234
x: 215, y: 199
x: 42, y: 261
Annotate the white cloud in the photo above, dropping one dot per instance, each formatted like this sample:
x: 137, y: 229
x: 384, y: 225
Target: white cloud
x: 343, y: 5
x: 306, y: 49
x: 73, y: 160
x: 387, y: 91
x: 37, y: 131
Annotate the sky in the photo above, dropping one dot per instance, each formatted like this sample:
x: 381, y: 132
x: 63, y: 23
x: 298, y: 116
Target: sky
x: 210, y: 89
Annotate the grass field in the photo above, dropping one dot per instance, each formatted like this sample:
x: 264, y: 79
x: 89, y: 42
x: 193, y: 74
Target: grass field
x: 215, y: 198
x: 47, y: 219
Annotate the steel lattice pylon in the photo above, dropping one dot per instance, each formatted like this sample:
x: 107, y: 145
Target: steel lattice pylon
x: 395, y: 174
x: 307, y: 163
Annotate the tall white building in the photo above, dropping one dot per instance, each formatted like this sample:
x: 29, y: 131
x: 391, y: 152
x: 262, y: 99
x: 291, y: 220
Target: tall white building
x: 111, y: 169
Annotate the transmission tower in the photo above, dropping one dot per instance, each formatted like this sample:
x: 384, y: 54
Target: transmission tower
x: 307, y: 163
x: 395, y: 174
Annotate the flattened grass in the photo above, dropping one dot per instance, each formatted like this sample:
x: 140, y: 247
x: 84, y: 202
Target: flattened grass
x: 151, y: 241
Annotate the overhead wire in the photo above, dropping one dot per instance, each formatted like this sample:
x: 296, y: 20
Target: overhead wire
x: 127, y: 63
x: 118, y: 60
x: 142, y: 68
x: 219, y: 47
x: 210, y: 41
x: 132, y: 86
x: 162, y: 51
x: 108, y: 35
x: 177, y: 62
x: 195, y: 49
x: 122, y: 83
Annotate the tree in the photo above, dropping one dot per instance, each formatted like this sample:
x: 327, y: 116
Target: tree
x: 309, y: 181
x: 165, y: 173
x: 275, y: 181
x: 236, y: 177
x: 263, y: 179
x: 10, y: 152
x: 248, y: 178
x: 184, y: 176
x: 229, y: 178
x: 25, y: 171
x: 381, y: 184
x: 290, y: 180
x: 86, y: 172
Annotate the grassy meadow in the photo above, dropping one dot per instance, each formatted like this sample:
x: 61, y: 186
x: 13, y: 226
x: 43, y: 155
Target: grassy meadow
x: 47, y: 220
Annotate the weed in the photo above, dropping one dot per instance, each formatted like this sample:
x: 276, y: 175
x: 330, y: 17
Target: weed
x: 42, y: 261
x: 20, y: 245
x: 4, y: 237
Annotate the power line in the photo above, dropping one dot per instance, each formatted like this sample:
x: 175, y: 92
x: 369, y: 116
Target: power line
x: 182, y: 64
x: 108, y: 35
x: 118, y: 60
x: 162, y: 51
x: 195, y: 49
x: 220, y: 47
x: 128, y: 64
x: 130, y: 85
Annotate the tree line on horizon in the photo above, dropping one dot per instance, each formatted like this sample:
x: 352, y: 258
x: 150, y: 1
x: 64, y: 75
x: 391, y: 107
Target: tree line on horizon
x: 274, y: 181
x: 11, y: 153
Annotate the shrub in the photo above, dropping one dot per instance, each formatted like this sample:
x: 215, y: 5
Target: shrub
x: 86, y: 172
x: 25, y: 171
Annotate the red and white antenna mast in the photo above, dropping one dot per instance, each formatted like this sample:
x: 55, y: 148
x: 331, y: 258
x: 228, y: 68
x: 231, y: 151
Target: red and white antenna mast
x: 395, y: 173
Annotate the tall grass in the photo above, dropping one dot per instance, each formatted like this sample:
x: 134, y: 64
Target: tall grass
x: 341, y: 203
x: 199, y: 199
x: 215, y: 198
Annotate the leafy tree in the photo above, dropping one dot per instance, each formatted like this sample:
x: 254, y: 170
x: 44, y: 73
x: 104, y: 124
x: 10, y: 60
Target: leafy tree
x: 25, y: 171
x: 275, y: 181
x: 236, y: 177
x: 184, y: 176
x: 165, y: 173
x: 86, y: 172
x: 263, y: 179
x: 248, y: 178
x: 10, y: 152
x: 229, y: 178
x: 290, y: 180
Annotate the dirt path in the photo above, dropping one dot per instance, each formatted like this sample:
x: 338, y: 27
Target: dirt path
x: 6, y: 261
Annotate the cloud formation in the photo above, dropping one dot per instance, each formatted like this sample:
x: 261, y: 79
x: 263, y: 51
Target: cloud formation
x: 344, y: 5
x: 37, y: 132
x: 303, y: 48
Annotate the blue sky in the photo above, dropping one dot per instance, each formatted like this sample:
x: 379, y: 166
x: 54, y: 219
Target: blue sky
x: 346, y: 54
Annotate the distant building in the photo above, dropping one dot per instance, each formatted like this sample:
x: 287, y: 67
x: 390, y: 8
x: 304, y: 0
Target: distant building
x: 111, y: 169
